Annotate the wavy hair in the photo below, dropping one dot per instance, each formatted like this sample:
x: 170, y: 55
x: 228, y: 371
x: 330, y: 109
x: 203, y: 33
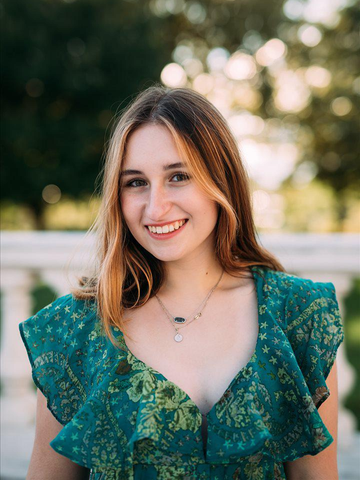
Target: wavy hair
x: 125, y: 275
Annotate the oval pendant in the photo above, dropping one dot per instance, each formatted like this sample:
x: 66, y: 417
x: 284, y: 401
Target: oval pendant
x: 178, y: 337
x: 179, y: 320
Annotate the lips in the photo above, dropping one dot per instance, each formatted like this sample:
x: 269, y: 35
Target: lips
x: 166, y: 223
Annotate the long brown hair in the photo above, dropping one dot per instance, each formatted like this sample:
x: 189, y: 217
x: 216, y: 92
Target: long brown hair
x: 125, y: 275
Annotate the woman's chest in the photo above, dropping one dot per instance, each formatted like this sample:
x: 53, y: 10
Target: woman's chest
x: 213, y: 350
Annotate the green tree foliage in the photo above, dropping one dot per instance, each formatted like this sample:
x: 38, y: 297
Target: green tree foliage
x: 68, y: 65
x: 332, y: 115
x: 327, y: 126
x: 66, y: 68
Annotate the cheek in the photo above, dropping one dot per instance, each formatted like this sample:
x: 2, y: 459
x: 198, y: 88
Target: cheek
x: 211, y: 216
x: 209, y: 210
x: 128, y: 207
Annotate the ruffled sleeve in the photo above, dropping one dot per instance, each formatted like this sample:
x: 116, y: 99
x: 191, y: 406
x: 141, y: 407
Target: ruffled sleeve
x: 76, y: 367
x: 52, y: 346
x: 315, y: 332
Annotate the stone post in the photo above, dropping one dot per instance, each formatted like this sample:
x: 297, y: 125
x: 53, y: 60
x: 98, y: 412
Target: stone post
x: 18, y: 399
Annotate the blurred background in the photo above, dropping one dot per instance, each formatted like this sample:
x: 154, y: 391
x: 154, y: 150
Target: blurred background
x: 285, y: 74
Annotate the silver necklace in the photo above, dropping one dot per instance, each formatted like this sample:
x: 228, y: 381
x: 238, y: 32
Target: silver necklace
x: 181, y: 320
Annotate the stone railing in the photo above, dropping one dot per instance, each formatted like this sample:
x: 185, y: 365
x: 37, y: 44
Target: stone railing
x: 28, y: 256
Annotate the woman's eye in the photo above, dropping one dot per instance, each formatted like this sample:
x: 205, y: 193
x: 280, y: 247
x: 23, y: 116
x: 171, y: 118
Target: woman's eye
x: 130, y: 184
x: 135, y: 183
x: 185, y: 176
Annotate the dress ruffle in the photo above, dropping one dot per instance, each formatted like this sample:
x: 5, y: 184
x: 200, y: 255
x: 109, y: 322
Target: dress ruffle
x: 50, y: 345
x: 272, y: 406
x: 123, y: 412
x: 127, y: 408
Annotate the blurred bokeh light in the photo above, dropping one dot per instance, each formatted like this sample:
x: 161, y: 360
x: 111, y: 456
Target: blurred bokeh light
x: 285, y: 74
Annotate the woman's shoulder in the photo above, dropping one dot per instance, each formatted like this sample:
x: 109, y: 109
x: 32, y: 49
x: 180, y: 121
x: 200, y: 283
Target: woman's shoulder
x: 303, y: 296
x: 292, y: 288
x: 298, y: 303
x: 59, y: 319
x: 68, y: 351
x: 308, y: 313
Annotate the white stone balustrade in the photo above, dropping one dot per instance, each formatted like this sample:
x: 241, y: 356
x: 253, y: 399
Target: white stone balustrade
x: 27, y: 256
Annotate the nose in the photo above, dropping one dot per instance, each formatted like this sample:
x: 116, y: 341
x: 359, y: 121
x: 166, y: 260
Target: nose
x: 158, y: 204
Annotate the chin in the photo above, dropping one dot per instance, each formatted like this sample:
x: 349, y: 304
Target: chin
x: 167, y: 257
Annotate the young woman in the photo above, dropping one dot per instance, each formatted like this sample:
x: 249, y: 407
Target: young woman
x: 189, y: 353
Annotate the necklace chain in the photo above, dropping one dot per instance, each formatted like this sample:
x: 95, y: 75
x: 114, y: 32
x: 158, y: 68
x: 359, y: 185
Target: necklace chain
x: 178, y: 337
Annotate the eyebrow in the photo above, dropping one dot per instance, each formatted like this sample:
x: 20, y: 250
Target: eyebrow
x: 171, y: 166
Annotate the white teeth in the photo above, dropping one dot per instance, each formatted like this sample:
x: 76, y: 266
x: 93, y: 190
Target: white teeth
x: 166, y: 228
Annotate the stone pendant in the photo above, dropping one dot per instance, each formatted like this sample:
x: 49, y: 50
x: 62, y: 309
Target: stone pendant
x: 178, y: 337
x: 179, y: 320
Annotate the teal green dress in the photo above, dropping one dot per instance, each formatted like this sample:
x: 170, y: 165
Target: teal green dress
x: 124, y: 420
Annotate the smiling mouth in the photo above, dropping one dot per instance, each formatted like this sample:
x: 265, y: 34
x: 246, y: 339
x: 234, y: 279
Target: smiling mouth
x: 170, y: 228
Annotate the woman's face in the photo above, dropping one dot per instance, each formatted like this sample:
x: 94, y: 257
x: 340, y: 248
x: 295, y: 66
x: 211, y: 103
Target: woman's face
x: 157, y: 191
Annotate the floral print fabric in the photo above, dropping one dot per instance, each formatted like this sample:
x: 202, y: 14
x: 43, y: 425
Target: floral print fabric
x: 124, y: 420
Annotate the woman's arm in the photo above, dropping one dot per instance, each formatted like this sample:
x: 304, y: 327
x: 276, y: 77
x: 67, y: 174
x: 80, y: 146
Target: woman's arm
x: 322, y: 466
x: 45, y: 463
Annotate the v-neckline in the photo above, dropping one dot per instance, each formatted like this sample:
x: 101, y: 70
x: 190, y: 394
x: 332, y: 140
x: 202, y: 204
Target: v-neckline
x: 158, y: 374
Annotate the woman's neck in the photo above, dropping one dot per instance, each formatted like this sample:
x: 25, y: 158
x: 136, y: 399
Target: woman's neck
x: 188, y: 288
x: 190, y: 281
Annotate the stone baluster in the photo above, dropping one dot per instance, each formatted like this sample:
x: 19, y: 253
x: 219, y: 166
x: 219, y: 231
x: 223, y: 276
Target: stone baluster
x: 18, y: 398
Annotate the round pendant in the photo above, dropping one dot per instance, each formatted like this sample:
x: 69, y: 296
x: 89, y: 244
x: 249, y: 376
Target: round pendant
x: 178, y: 337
